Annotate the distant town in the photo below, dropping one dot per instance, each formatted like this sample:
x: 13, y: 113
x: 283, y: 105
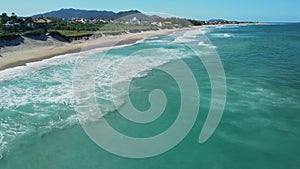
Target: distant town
x: 83, y: 27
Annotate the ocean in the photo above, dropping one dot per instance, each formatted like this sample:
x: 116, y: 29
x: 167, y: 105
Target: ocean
x: 40, y: 126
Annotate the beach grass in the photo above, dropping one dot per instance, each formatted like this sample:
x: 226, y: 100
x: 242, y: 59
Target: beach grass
x: 7, y: 35
x: 75, y: 33
x: 108, y: 29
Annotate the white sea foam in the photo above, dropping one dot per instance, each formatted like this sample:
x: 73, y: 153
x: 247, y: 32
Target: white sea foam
x: 222, y: 35
x: 140, y: 41
x: 202, y: 43
x: 191, y: 35
x: 159, y: 41
x: 55, y: 86
x: 2, y: 142
x: 31, y: 67
x: 227, y: 35
x: 119, y: 70
x: 2, y: 145
x: 41, y: 100
x: 219, y: 26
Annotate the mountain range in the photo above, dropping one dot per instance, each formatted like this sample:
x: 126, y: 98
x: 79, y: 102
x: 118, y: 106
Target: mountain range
x: 79, y: 13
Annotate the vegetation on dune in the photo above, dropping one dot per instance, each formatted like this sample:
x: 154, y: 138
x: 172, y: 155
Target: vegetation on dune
x: 106, y: 29
x: 126, y: 27
x: 75, y: 33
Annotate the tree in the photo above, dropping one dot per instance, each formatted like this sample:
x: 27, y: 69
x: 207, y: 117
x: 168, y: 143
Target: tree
x: 14, y: 17
x: 22, y: 25
x: 4, y: 18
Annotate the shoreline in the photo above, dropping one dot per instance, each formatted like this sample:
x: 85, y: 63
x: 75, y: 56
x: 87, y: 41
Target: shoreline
x: 34, y: 50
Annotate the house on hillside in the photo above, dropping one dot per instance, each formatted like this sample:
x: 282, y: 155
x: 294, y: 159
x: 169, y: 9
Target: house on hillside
x: 168, y: 23
x: 80, y: 21
x: 135, y: 21
x: 159, y: 24
x: 41, y: 22
x: 9, y: 23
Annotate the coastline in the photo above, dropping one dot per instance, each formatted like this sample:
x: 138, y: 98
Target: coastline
x: 35, y: 50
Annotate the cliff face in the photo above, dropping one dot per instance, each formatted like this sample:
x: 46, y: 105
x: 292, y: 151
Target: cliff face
x: 11, y: 40
x: 16, y: 40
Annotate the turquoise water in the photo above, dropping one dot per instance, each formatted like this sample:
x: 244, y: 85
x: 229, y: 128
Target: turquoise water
x: 259, y: 128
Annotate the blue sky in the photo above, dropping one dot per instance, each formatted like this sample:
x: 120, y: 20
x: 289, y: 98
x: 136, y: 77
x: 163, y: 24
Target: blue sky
x: 254, y: 10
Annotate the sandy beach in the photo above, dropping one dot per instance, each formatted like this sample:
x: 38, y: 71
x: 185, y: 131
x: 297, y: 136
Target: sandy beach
x: 31, y: 50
